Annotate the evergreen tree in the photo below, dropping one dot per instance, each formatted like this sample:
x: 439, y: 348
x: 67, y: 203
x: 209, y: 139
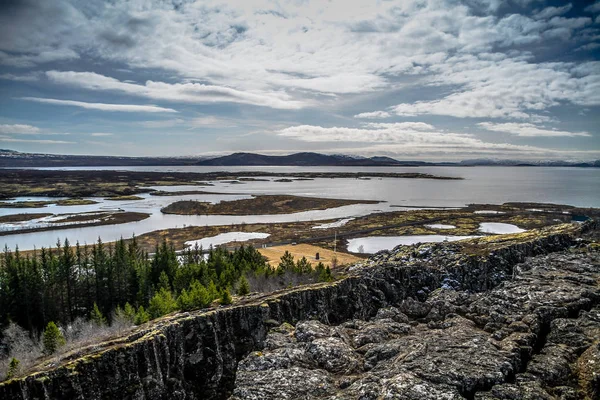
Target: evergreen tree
x: 67, y: 277
x: 196, y: 297
x: 141, y: 316
x: 96, y: 316
x: 129, y: 312
x: 13, y: 368
x: 64, y: 283
x: 286, y: 263
x: 226, y: 297
x: 162, y: 303
x: 213, y: 292
x: 244, y: 286
x: 325, y: 275
x: 52, y: 338
x: 163, y: 281
x: 303, y: 266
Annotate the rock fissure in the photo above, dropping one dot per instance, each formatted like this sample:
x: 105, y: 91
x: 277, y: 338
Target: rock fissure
x: 451, y: 306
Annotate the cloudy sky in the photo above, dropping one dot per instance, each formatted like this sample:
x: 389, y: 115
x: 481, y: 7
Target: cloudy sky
x: 412, y: 79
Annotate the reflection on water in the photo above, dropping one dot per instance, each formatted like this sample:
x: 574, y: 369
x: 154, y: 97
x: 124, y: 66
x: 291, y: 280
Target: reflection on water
x: 492, y: 185
x: 373, y: 244
x: 499, y: 228
x: 440, y: 226
x: 226, y: 238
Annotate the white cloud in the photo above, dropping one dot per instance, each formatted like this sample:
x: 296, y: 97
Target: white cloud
x: 593, y: 8
x: 101, y: 134
x: 507, y: 88
x: 589, y: 47
x: 102, y: 106
x: 165, y: 123
x: 19, y: 129
x: 374, y: 115
x: 417, y: 126
x: 258, y: 46
x: 178, y: 92
x: 31, y: 77
x: 550, y: 12
x: 37, y: 141
x: 424, y: 144
x: 422, y: 57
x: 26, y: 61
x: 528, y: 130
x: 388, y: 133
x: 211, y: 121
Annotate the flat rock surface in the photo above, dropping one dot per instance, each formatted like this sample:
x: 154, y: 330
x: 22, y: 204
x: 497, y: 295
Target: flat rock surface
x: 536, y: 336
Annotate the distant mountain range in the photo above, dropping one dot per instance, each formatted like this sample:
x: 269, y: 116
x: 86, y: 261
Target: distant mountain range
x: 317, y: 159
x: 305, y: 159
x: 15, y: 159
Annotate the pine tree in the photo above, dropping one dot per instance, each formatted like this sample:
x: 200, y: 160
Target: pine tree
x: 325, y: 275
x: 13, y: 368
x: 141, y: 316
x: 213, y: 292
x: 286, y: 263
x: 226, y: 297
x: 303, y: 266
x: 163, y: 281
x: 123, y: 316
x: 162, y: 303
x: 129, y: 312
x: 195, y: 297
x: 244, y: 287
x: 96, y: 316
x: 53, y: 338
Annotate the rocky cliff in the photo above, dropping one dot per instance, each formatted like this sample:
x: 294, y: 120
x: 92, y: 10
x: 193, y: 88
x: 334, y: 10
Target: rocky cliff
x: 534, y: 337
x: 196, y: 355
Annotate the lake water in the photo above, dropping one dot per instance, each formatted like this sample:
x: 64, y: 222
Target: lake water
x: 373, y: 244
x: 493, y: 185
x: 499, y: 228
x: 223, y: 238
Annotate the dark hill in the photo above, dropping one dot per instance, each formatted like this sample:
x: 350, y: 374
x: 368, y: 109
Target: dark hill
x: 299, y: 159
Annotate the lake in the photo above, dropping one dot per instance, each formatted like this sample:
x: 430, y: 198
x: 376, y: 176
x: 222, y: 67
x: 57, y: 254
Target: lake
x: 492, y: 185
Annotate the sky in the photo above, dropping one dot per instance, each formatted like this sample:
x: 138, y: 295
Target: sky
x: 434, y: 80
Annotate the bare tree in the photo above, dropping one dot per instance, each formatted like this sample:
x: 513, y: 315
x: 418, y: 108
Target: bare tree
x: 21, y: 347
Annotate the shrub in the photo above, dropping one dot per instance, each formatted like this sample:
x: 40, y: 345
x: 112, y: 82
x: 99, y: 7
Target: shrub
x: 21, y: 347
x: 244, y: 287
x: 213, y: 292
x: 286, y: 263
x: 123, y: 318
x: 129, y: 312
x: 53, y: 339
x: 141, y: 316
x: 96, y: 316
x: 196, y: 297
x: 303, y: 266
x: 226, y: 297
x: 162, y: 303
x: 13, y: 368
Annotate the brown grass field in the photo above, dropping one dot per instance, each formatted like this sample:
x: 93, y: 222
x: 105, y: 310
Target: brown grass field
x: 274, y: 254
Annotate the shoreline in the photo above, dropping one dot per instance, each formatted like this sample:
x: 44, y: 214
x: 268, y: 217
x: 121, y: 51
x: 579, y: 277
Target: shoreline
x: 113, y: 219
